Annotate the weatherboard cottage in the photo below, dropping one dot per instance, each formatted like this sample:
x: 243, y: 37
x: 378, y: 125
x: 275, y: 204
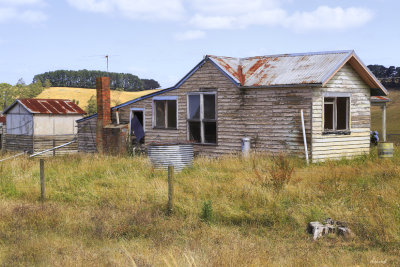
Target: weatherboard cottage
x: 34, y: 125
x: 224, y: 99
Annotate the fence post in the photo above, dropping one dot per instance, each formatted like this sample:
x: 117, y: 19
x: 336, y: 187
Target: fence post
x: 54, y: 145
x: 42, y: 179
x: 170, y: 189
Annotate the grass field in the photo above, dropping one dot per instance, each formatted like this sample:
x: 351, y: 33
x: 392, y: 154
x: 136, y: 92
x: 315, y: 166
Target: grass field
x: 392, y: 116
x: 83, y: 95
x: 111, y: 211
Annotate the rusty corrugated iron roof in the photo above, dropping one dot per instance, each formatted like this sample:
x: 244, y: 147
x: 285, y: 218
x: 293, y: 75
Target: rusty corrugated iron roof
x: 285, y: 69
x: 380, y: 99
x: 49, y: 106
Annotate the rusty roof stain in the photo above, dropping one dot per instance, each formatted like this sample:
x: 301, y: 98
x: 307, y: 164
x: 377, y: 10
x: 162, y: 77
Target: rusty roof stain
x: 380, y: 99
x: 285, y: 69
x: 49, y: 106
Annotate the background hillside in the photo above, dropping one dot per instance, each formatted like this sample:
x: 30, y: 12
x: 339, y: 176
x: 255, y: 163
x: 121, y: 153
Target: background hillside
x: 392, y: 117
x: 83, y: 95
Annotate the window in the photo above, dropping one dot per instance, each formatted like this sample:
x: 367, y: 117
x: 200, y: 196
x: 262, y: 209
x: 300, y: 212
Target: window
x: 165, y: 114
x: 202, y: 122
x: 336, y: 113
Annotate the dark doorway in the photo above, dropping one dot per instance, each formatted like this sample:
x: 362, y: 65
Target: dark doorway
x: 139, y: 115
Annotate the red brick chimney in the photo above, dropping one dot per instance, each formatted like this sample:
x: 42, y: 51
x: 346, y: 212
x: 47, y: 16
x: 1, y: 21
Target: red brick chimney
x: 103, y: 111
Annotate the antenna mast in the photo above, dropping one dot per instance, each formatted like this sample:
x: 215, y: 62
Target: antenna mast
x: 106, y: 56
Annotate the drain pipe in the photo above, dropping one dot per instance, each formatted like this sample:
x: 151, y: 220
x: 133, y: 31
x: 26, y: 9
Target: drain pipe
x: 304, y: 135
x: 117, y: 115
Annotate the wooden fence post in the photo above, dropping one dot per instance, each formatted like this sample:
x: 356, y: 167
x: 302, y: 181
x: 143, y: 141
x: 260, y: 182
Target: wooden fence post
x: 54, y: 145
x: 170, y: 189
x: 42, y: 179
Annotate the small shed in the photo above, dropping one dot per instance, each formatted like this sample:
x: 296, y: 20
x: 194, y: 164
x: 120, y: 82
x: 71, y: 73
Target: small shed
x: 34, y: 125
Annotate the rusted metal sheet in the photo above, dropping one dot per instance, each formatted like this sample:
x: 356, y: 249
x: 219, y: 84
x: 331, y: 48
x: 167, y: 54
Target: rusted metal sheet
x: 51, y: 106
x: 285, y: 69
x: 379, y: 99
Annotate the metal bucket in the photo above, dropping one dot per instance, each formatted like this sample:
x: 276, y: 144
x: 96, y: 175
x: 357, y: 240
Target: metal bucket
x: 385, y: 150
x: 178, y: 155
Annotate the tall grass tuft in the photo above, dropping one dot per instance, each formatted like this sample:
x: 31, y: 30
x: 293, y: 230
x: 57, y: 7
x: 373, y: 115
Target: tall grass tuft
x: 281, y: 171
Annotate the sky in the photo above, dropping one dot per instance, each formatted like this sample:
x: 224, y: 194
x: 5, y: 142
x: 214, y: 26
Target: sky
x: 165, y: 39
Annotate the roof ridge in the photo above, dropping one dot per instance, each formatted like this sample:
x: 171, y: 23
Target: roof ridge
x: 287, y: 54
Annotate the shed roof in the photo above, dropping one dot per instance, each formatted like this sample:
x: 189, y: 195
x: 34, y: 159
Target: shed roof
x: 48, y: 106
x: 379, y: 99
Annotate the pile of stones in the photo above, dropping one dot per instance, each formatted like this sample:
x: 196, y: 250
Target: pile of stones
x: 318, y: 229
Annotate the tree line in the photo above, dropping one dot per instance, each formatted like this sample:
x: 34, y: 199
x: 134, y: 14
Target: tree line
x: 388, y: 76
x: 87, y: 79
x: 9, y: 93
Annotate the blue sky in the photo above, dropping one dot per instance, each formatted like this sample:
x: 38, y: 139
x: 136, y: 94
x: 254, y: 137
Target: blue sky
x: 164, y: 39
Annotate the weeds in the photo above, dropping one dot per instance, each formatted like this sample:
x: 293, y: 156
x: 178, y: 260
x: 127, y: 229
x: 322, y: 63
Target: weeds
x: 207, y: 214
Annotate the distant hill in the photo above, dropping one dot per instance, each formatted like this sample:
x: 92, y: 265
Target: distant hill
x: 392, y: 117
x: 87, y: 79
x: 82, y: 95
x: 388, y: 76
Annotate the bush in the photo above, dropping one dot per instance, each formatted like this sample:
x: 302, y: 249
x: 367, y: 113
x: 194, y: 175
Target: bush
x: 207, y: 213
x: 281, y: 171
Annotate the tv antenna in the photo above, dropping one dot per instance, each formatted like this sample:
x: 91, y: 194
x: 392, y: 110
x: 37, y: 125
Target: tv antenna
x: 107, y: 57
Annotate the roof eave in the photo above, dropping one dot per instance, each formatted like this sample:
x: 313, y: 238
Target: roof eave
x: 370, y: 78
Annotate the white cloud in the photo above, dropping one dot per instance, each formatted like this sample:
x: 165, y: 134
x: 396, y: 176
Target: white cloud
x: 321, y: 18
x: 28, y: 16
x: 229, y: 14
x: 325, y: 17
x: 190, y: 35
x: 20, y: 2
x: 134, y: 9
x: 13, y: 10
x: 232, y: 7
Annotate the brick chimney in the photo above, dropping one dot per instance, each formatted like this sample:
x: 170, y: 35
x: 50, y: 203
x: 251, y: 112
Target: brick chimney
x: 103, y: 111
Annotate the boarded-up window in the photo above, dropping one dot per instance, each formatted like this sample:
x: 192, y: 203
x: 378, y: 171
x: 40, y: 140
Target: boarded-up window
x: 336, y: 113
x: 165, y: 114
x: 202, y: 123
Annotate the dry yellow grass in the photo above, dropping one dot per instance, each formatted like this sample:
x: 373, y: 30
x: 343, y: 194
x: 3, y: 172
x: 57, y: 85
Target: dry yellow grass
x: 111, y: 211
x: 83, y: 95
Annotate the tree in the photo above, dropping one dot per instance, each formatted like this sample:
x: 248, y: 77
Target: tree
x: 92, y: 105
x: 47, y: 83
x: 150, y: 84
x: 87, y: 79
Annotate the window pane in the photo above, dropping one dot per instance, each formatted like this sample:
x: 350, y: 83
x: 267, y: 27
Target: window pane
x: 194, y: 131
x: 209, y: 106
x: 328, y: 116
x: 210, y: 132
x: 342, y: 113
x: 160, y: 113
x: 194, y: 106
x: 171, y: 113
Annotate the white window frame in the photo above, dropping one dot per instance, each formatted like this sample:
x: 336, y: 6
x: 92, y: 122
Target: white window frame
x: 202, y: 116
x: 153, y: 107
x: 131, y: 110
x: 334, y: 103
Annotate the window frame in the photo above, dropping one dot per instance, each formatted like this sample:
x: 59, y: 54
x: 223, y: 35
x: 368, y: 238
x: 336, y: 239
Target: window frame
x: 334, y: 119
x: 165, y: 99
x: 202, y: 120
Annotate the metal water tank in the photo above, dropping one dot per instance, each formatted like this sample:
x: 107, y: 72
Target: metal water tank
x: 178, y: 155
x: 246, y: 146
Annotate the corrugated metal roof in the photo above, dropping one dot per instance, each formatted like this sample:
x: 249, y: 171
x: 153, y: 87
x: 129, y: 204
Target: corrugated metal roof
x: 380, y: 99
x: 285, y: 69
x: 49, y: 106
